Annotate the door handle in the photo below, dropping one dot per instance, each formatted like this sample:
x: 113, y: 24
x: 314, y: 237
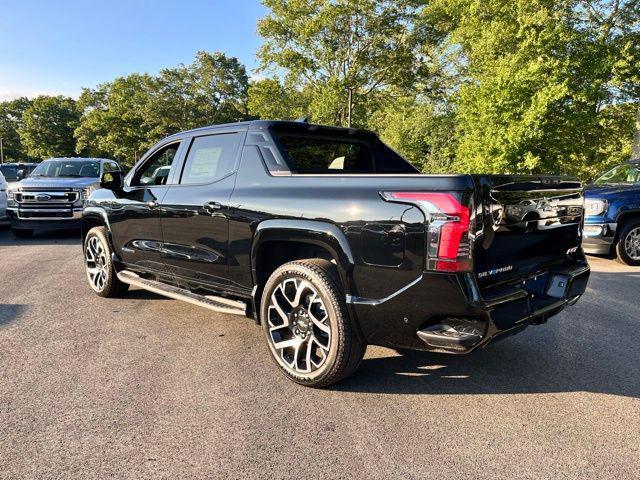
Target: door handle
x: 152, y: 204
x: 212, y: 207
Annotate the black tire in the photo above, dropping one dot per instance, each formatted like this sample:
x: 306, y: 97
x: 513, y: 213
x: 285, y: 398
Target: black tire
x: 21, y: 232
x: 625, y: 245
x: 345, y: 346
x: 109, y: 286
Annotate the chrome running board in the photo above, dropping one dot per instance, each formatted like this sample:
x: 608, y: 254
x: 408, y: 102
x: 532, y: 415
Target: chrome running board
x: 217, y: 304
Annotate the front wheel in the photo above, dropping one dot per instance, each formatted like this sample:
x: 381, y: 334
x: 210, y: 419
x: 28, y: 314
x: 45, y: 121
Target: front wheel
x: 628, y: 247
x: 308, y: 329
x: 102, y: 276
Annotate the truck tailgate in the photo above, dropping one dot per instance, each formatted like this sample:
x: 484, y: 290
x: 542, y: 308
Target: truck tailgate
x: 525, y: 224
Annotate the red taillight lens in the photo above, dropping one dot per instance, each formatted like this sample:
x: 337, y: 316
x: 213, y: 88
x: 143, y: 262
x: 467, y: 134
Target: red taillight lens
x: 448, y: 247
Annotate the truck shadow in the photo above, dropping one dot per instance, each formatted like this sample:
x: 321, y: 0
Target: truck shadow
x: 501, y: 369
x: 10, y: 312
x: 139, y: 294
x: 591, y: 347
x: 44, y: 237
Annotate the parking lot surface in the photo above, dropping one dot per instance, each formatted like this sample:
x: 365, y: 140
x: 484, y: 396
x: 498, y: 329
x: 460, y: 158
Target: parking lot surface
x: 147, y: 387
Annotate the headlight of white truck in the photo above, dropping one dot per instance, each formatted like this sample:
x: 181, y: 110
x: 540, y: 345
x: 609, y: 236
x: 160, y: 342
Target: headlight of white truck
x: 595, y: 206
x: 11, y: 197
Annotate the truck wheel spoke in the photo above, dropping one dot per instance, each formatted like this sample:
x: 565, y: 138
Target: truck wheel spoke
x: 96, y: 263
x: 299, y: 329
x: 632, y: 243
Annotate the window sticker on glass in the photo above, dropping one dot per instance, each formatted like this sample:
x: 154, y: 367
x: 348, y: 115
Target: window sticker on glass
x: 204, y: 164
x: 210, y: 157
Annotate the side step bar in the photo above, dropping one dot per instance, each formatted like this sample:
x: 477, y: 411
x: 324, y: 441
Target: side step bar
x: 217, y: 304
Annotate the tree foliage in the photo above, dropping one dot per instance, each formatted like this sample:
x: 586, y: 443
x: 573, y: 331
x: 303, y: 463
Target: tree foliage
x: 325, y: 47
x: 422, y: 131
x: 269, y: 98
x: 10, y: 123
x: 528, y: 86
x: 47, y: 127
x: 463, y: 85
x: 123, y: 118
x: 114, y: 119
x: 540, y: 81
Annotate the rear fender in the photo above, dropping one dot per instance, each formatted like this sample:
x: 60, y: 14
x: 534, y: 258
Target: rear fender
x: 322, y: 234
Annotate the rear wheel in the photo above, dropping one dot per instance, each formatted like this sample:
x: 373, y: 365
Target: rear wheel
x: 101, y: 274
x: 309, y: 332
x: 628, y: 246
x: 21, y: 232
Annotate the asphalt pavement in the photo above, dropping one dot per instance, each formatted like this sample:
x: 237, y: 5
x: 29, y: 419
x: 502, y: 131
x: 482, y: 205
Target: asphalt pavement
x: 147, y: 387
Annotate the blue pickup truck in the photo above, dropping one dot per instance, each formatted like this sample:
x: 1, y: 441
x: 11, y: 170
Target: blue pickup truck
x: 612, y: 213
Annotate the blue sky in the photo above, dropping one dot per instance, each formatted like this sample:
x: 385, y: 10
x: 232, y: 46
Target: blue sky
x: 61, y: 46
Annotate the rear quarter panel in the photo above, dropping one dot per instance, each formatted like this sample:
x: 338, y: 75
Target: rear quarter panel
x: 386, y: 239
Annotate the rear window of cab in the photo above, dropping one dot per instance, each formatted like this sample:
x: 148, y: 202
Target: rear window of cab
x: 313, y: 154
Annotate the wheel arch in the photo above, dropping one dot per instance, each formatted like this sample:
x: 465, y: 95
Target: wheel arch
x: 278, y: 241
x: 626, y: 215
x: 94, y: 217
x: 626, y: 220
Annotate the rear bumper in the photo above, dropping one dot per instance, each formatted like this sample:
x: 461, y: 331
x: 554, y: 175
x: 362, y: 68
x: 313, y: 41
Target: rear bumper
x: 598, y: 238
x: 408, y: 319
x: 20, y: 221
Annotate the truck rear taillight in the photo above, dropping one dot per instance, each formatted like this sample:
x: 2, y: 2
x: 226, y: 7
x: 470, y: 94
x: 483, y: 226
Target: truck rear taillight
x: 448, y: 242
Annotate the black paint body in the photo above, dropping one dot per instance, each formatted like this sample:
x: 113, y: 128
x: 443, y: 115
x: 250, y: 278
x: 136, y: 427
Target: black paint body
x: 264, y: 215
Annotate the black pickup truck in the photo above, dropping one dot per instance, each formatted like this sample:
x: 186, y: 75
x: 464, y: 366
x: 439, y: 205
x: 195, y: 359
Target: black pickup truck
x: 332, y: 242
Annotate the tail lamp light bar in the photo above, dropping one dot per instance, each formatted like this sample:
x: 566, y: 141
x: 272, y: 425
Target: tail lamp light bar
x: 448, y: 244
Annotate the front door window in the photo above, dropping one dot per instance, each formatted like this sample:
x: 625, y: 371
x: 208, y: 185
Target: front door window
x: 155, y: 171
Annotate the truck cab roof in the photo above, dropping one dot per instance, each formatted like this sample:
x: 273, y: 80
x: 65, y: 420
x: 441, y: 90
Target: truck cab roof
x: 278, y: 125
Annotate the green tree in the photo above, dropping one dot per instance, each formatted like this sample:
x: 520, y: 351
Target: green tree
x: 47, y: 126
x: 539, y: 80
x: 114, y: 122
x: 325, y: 47
x: 10, y: 123
x: 123, y: 118
x: 270, y: 99
x: 424, y: 133
x: 211, y: 90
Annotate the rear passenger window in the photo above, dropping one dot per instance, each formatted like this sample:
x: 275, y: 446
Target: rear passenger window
x: 317, y: 155
x: 210, y: 157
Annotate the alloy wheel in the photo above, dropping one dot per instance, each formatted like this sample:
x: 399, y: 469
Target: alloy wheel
x: 96, y: 262
x: 299, y: 331
x: 632, y: 244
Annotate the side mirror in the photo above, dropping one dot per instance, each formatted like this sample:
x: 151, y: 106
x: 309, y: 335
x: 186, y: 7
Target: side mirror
x: 112, y: 181
x: 20, y: 174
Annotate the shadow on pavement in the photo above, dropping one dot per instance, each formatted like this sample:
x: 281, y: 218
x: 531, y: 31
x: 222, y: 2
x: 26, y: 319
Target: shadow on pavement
x: 592, y: 347
x: 10, y: 312
x: 139, y: 294
x: 501, y: 369
x: 40, y: 237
